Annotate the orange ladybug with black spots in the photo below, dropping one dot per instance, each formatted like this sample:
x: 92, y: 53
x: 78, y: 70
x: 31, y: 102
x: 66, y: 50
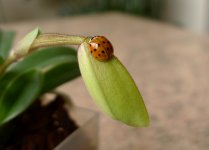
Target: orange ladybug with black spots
x: 101, y: 48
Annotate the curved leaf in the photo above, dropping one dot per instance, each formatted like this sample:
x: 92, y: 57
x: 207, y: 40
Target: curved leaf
x: 18, y: 93
x: 112, y: 88
x: 58, y: 63
x: 24, y: 45
x: 55, y: 66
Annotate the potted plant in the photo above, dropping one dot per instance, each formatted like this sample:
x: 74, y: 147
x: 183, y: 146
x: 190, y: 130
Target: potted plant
x: 38, y: 64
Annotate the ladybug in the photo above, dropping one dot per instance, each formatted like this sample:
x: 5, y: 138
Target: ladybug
x: 101, y: 48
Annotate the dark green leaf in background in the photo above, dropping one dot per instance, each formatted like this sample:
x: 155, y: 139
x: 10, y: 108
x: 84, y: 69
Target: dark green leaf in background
x: 55, y: 65
x: 58, y: 64
x: 59, y: 74
x: 18, y: 93
x: 6, y: 41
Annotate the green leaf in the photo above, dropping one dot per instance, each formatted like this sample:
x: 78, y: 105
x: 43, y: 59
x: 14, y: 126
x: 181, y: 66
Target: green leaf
x: 55, y: 65
x: 1, y: 60
x: 112, y: 88
x: 24, y: 45
x: 63, y: 72
x: 18, y: 93
x: 6, y: 41
x: 58, y: 63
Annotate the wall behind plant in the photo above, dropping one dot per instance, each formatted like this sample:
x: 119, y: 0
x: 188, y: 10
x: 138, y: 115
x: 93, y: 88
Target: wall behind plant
x: 18, y: 10
x: 191, y: 14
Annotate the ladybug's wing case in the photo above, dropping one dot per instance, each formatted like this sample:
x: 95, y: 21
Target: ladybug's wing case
x: 101, y: 48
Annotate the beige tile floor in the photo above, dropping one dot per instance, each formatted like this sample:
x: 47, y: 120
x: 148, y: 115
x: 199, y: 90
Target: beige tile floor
x: 170, y: 67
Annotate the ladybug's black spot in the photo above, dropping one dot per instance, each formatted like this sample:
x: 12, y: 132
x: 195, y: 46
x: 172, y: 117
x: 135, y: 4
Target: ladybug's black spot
x: 99, y: 55
x: 108, y: 48
x: 103, y: 52
x: 103, y: 42
x: 98, y: 45
x: 91, y: 51
x: 95, y: 49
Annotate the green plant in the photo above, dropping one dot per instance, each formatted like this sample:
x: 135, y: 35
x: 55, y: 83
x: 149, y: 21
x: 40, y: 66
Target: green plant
x: 30, y: 68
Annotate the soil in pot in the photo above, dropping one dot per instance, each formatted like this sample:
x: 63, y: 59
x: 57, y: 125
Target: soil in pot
x: 41, y: 127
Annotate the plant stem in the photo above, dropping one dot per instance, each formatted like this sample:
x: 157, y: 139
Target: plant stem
x: 54, y: 39
x: 44, y: 40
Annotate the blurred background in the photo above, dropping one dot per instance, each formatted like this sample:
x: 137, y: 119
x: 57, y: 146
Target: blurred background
x: 191, y: 14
